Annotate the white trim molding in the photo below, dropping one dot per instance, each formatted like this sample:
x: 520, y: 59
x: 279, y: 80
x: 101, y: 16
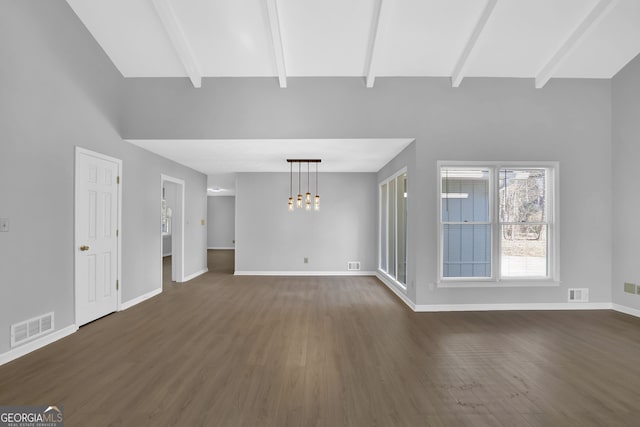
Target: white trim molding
x: 221, y: 248
x: 141, y: 298
x: 36, y: 344
x: 422, y: 308
x: 304, y: 273
x: 384, y: 278
x: 194, y: 275
x: 626, y: 310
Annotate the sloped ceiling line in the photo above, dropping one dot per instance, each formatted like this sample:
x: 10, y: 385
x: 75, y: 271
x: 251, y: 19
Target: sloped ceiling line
x: 573, y: 41
x: 276, y: 37
x: 179, y: 40
x: 463, y: 61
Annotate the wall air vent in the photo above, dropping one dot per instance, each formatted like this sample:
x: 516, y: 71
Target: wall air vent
x: 30, y: 329
x: 353, y: 265
x: 579, y: 295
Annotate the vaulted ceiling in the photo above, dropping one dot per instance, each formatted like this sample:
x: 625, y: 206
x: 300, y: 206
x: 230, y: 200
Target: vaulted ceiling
x: 538, y: 39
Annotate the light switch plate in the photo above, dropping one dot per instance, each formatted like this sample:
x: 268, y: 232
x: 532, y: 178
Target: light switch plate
x: 4, y: 225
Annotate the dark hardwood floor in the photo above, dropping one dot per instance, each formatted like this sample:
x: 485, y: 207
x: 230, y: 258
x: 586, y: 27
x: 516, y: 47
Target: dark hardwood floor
x: 331, y: 351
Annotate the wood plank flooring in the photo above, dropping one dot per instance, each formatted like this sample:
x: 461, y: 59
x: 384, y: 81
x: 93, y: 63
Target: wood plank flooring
x: 332, y: 351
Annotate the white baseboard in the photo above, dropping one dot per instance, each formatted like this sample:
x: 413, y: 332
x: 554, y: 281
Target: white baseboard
x: 432, y: 308
x: 396, y: 290
x: 514, y: 306
x: 305, y: 273
x: 165, y: 255
x: 194, y: 275
x: 36, y: 344
x: 221, y: 247
x: 626, y: 310
x: 141, y: 298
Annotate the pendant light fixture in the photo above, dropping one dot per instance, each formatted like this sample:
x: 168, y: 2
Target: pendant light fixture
x: 316, y: 204
x: 291, y: 188
x: 307, y: 196
x: 299, y: 202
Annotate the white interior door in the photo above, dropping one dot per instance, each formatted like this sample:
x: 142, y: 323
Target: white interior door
x: 96, y: 240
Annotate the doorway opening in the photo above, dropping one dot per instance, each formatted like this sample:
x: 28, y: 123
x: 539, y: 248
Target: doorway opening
x: 171, y: 230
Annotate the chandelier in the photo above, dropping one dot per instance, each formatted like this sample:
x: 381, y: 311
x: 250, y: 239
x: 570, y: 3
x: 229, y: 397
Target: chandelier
x: 299, y: 202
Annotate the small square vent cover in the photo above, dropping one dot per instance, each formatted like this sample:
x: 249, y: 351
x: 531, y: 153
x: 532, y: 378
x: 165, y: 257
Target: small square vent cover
x: 579, y: 295
x: 353, y: 265
x: 31, y: 329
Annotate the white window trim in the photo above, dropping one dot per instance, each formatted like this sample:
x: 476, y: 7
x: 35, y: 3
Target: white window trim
x: 395, y: 225
x: 553, y: 255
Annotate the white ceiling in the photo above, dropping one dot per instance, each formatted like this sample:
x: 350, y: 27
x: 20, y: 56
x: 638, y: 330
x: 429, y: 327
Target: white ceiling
x: 220, y: 159
x: 459, y: 38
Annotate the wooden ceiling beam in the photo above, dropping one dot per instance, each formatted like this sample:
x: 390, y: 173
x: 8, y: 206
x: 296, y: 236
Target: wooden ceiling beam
x: 179, y: 40
x: 591, y: 21
x: 373, y: 44
x: 463, y: 60
x: 276, y: 38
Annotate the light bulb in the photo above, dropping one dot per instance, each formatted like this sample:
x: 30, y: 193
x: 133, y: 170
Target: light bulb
x: 290, y: 204
x: 307, y: 197
x: 316, y: 204
x: 299, y: 202
x: 308, y: 206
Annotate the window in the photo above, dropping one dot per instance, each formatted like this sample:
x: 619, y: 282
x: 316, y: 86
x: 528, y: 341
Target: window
x: 496, y: 222
x: 393, y: 227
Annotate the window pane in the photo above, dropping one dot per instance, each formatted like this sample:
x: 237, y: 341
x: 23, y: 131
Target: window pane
x: 465, y: 195
x: 383, y: 227
x: 466, y: 250
x: 523, y: 251
x: 401, y: 194
x: 522, y: 195
x: 392, y: 229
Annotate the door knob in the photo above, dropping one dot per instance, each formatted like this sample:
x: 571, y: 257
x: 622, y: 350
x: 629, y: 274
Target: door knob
x: 84, y: 248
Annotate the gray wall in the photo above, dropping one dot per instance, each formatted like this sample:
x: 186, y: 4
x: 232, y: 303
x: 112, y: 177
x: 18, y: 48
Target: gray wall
x: 270, y: 238
x: 58, y: 90
x: 626, y: 182
x: 485, y: 119
x: 221, y: 223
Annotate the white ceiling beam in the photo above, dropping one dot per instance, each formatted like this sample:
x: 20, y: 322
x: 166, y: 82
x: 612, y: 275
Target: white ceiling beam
x: 276, y: 38
x: 179, y: 40
x: 575, y: 39
x: 375, y: 38
x: 463, y: 61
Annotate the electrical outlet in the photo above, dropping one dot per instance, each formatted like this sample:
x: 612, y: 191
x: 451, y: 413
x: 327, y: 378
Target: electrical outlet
x: 306, y: 260
x: 630, y: 288
x: 4, y: 225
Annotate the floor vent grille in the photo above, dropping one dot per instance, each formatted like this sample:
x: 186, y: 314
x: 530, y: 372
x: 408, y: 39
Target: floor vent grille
x: 31, y: 329
x: 353, y: 265
x: 579, y: 295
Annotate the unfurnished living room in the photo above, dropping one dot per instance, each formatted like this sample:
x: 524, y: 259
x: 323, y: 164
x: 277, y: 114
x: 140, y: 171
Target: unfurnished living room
x: 305, y: 212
